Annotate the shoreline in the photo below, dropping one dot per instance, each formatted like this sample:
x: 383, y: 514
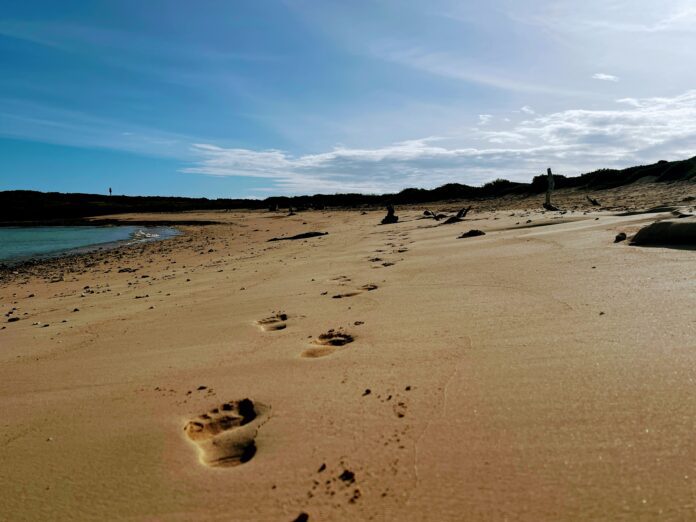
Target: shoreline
x: 58, y: 256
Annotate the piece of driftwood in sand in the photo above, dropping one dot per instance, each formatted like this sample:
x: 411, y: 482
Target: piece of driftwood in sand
x: 306, y: 235
x: 390, y: 217
x: 593, y: 201
x: 549, y: 190
x: 668, y: 232
x: 459, y: 217
x: 472, y: 233
x: 434, y: 215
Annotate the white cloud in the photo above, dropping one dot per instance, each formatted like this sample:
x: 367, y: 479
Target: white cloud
x: 629, y: 101
x: 605, y: 77
x: 571, y: 141
x: 485, y: 119
x: 527, y: 110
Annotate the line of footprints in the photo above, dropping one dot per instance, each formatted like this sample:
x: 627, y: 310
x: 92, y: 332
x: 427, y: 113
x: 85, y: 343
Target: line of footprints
x: 225, y: 435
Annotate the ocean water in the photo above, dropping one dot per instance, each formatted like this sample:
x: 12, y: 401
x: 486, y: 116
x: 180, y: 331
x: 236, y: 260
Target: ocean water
x: 23, y: 243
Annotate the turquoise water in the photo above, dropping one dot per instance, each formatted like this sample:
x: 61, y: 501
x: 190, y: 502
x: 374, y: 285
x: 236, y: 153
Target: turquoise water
x: 22, y: 243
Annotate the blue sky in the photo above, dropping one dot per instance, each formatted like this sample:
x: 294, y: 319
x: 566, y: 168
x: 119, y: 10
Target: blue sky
x: 255, y: 98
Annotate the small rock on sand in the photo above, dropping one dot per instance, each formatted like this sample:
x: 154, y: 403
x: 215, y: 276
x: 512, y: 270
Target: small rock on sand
x: 472, y: 233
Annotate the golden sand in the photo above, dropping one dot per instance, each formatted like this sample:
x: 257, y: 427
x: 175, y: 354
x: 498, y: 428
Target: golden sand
x: 538, y: 372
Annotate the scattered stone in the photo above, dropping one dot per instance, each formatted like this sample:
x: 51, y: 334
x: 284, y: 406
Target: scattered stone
x: 321, y: 468
x: 621, y: 236
x: 367, y: 391
x: 13, y: 319
x: 347, y: 476
x: 472, y: 233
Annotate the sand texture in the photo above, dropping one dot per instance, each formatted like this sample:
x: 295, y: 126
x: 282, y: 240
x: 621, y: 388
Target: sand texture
x: 541, y: 371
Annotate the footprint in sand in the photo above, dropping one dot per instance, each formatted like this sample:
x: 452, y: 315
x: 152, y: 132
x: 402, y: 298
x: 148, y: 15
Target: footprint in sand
x: 225, y: 435
x: 327, y: 343
x: 274, y: 322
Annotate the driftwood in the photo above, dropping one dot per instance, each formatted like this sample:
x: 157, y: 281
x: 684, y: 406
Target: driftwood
x: 306, y: 235
x: 459, y: 217
x: 390, y: 217
x: 436, y: 217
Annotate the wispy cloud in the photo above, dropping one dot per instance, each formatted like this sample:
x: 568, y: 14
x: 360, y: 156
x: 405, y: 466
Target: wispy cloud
x: 682, y: 19
x: 573, y: 141
x: 631, y: 16
x: 605, y: 77
x: 36, y: 122
x: 451, y: 66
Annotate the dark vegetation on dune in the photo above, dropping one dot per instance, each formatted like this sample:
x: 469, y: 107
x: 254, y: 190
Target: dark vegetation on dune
x: 18, y: 206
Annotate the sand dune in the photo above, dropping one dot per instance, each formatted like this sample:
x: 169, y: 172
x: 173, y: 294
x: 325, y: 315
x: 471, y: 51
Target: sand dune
x: 538, y: 372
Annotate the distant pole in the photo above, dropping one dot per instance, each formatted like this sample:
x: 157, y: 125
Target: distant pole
x: 549, y: 190
x: 549, y: 187
x: 109, y: 191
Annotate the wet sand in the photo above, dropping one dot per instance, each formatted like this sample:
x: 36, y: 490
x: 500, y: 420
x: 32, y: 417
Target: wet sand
x: 538, y: 372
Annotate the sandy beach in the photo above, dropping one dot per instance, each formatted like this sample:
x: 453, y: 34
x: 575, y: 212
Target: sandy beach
x: 538, y: 372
